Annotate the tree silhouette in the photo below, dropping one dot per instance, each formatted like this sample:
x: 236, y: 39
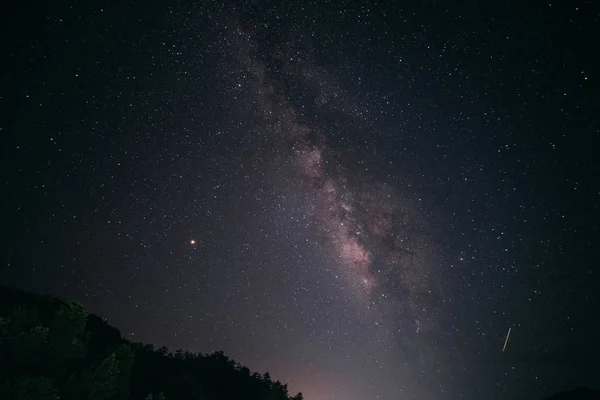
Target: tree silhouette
x: 51, y: 349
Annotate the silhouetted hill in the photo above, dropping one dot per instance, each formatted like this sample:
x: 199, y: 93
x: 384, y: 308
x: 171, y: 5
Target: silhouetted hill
x: 51, y: 349
x: 577, y: 394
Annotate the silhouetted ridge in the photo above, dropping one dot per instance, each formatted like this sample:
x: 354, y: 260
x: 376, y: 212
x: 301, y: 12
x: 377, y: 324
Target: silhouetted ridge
x: 52, y: 349
x: 577, y: 394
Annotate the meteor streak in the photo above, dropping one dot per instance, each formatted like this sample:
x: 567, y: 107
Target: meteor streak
x: 506, y: 340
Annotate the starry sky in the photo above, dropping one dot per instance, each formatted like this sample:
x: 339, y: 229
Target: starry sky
x: 360, y: 198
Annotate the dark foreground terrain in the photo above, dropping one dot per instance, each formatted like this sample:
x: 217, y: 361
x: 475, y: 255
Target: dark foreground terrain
x: 51, y: 349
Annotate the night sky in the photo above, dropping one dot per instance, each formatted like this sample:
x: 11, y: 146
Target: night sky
x: 359, y: 198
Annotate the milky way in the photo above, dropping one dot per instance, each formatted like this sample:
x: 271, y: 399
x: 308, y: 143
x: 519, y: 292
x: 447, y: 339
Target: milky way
x: 378, y: 238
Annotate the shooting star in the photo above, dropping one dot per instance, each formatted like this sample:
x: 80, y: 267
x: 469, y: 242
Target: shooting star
x: 506, y: 340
